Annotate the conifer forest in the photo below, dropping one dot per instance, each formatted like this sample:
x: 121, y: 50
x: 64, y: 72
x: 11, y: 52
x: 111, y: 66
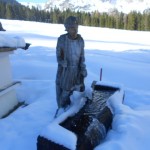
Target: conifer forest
x: 114, y: 19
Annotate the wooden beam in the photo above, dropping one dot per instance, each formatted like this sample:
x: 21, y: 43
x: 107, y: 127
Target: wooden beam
x: 6, y: 49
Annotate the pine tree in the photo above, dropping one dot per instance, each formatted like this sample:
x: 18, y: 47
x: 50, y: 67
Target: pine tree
x: 9, y: 12
x: 2, y: 10
x: 132, y: 21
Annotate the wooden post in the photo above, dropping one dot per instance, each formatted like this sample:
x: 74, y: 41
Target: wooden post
x: 101, y: 71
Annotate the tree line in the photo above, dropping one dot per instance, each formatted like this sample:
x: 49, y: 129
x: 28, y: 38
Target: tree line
x: 118, y: 20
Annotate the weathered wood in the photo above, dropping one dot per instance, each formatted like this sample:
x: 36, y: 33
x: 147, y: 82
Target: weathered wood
x: 6, y: 49
x: 92, y: 122
x: 45, y: 144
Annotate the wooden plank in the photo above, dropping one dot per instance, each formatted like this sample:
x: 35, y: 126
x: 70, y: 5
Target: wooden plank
x: 45, y: 144
x: 6, y: 49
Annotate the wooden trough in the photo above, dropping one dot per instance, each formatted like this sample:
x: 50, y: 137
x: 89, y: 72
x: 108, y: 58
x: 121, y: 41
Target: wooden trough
x: 90, y: 124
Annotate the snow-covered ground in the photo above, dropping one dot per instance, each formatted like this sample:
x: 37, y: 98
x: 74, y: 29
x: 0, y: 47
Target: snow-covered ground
x: 125, y: 59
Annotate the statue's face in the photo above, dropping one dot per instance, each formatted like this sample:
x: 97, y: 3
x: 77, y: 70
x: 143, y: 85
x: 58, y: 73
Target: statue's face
x: 72, y: 31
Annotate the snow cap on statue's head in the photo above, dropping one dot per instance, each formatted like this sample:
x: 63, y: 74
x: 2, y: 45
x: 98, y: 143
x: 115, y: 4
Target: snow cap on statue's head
x: 71, y: 21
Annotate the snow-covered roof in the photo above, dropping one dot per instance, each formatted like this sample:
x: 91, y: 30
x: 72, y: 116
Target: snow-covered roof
x: 9, y: 42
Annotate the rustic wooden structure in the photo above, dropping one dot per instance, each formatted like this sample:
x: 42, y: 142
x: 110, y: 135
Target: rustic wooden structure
x: 90, y: 124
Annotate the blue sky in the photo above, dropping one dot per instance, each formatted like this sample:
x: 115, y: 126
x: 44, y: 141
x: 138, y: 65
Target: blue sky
x: 34, y: 1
